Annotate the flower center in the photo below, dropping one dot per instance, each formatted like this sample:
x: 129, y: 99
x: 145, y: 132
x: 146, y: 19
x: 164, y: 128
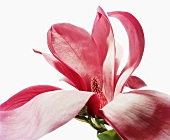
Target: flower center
x: 95, y: 87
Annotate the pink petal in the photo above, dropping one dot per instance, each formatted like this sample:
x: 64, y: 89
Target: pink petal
x: 25, y: 95
x: 75, y: 47
x: 67, y: 71
x: 103, y: 36
x: 93, y: 105
x: 100, y: 33
x: 135, y: 82
x: 136, y: 45
x: 65, y: 79
x: 43, y: 114
x: 140, y: 114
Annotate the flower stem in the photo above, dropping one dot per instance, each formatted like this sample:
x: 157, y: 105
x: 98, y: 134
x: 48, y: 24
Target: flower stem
x: 97, y: 124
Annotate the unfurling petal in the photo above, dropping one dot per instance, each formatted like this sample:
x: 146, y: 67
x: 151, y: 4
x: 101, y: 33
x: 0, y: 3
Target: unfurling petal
x: 75, y: 47
x: 136, y: 45
x: 74, y: 78
x: 135, y: 82
x: 102, y: 34
x: 93, y: 105
x: 41, y: 115
x: 139, y: 115
x: 25, y: 95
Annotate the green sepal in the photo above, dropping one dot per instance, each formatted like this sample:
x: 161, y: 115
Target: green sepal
x: 108, y: 135
x: 82, y: 115
x: 83, y: 112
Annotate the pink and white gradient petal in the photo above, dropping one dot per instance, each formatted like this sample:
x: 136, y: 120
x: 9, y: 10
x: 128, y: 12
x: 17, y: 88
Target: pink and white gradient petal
x: 41, y: 115
x: 25, y: 96
x: 140, y: 114
x: 73, y: 77
x: 136, y: 45
x: 103, y: 36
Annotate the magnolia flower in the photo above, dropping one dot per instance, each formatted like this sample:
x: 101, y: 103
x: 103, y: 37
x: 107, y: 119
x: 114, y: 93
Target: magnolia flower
x: 90, y: 63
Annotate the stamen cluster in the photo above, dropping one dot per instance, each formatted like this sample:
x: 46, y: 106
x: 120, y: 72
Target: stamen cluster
x: 95, y: 87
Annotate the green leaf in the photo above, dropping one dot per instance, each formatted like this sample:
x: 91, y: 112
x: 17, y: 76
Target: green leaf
x: 104, y: 137
x: 108, y: 135
x: 117, y: 137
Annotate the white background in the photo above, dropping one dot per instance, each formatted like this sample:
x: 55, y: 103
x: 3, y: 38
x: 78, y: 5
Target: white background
x: 23, y: 26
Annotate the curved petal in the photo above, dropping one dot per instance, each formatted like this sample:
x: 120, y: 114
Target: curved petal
x: 67, y: 71
x: 102, y: 34
x: 136, y: 45
x: 43, y: 114
x: 140, y: 114
x: 93, y: 105
x: 25, y: 95
x: 135, y: 82
x: 75, y: 47
x: 65, y: 79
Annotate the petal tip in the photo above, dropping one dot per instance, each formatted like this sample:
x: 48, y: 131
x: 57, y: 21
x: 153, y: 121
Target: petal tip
x: 36, y: 51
